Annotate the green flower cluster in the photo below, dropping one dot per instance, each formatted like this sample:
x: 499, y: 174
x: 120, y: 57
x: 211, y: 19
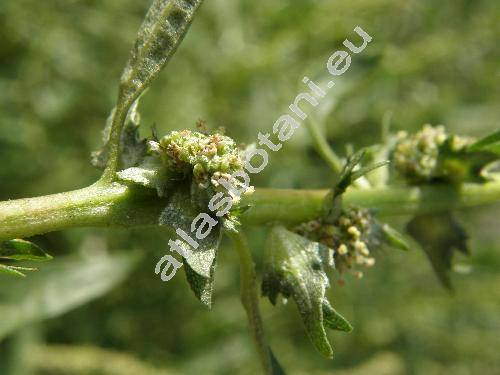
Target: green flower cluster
x: 428, y: 154
x: 205, y: 163
x: 207, y: 157
x: 352, y: 237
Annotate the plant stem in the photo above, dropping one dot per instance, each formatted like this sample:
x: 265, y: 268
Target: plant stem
x: 119, y: 205
x: 323, y: 147
x: 250, y: 299
x: 119, y: 116
x: 96, y: 205
x: 294, y: 206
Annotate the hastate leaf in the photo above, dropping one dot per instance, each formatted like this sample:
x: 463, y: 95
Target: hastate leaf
x: 439, y: 235
x: 295, y: 268
x: 199, y: 263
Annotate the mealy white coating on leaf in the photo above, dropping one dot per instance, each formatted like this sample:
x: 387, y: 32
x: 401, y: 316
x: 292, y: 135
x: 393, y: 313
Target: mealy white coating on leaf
x: 164, y: 27
x: 132, y: 147
x: 295, y: 267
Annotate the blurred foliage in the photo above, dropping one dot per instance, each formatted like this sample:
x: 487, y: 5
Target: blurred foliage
x: 59, y: 287
x: 239, y: 67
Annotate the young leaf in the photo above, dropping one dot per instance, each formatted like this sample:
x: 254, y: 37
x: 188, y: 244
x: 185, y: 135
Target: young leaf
x: 294, y: 268
x: 200, y: 262
x: 151, y: 173
x: 395, y: 239
x: 346, y: 176
x: 349, y: 174
x: 22, y: 250
x: 365, y: 170
x: 439, y: 235
x: 490, y: 143
x: 14, y: 271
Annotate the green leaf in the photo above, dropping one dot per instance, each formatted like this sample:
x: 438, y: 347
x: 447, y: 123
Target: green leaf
x: 200, y: 263
x: 230, y: 225
x: 439, y: 235
x: 22, y: 250
x: 333, y: 319
x: 15, y: 271
x: 365, y: 170
x: 132, y: 147
x: 346, y: 176
x: 161, y: 32
x: 394, y: 238
x: 349, y: 174
x: 491, y: 171
x: 60, y: 286
x: 151, y: 173
x: 490, y: 143
x: 201, y: 286
x: 295, y: 267
x: 277, y: 369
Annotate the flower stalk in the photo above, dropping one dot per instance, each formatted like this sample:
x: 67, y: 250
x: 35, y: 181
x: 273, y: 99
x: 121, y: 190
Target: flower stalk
x: 250, y: 293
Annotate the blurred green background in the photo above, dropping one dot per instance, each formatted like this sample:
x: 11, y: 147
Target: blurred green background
x: 239, y: 67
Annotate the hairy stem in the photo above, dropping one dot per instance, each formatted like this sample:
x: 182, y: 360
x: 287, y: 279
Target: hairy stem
x: 249, y: 287
x: 119, y: 205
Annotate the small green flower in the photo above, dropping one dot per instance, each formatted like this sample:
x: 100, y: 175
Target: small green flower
x: 203, y: 163
x: 200, y: 154
x: 430, y: 155
x: 353, y: 236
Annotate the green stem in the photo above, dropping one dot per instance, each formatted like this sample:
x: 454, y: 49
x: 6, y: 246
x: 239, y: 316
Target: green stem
x: 323, y: 147
x: 97, y: 205
x: 118, y: 205
x: 119, y: 116
x: 294, y: 206
x: 250, y: 299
